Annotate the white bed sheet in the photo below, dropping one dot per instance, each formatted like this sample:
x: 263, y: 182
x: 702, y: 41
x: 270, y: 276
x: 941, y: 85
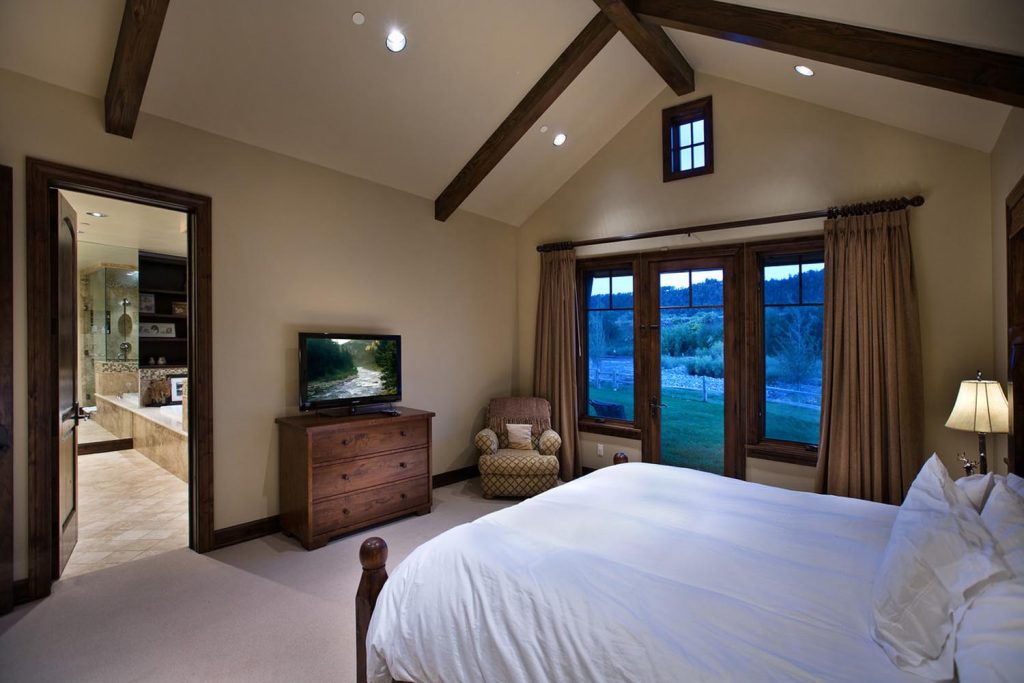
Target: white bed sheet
x: 642, y: 572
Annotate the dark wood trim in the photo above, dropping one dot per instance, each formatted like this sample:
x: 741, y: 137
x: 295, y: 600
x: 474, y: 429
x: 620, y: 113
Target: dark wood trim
x: 141, y: 24
x: 454, y: 476
x: 653, y: 44
x: 555, y: 80
x: 6, y: 390
x: 105, y: 446
x: 247, y: 531
x: 789, y: 453
x: 42, y: 179
x: 970, y: 71
x: 684, y: 113
x: 625, y: 430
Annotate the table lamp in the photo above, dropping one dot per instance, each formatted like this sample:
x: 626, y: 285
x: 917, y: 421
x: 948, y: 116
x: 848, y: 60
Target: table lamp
x: 981, y: 408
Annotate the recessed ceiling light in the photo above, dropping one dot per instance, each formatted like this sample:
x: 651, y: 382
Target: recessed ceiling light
x: 803, y: 70
x: 543, y: 129
x: 395, y: 41
x: 358, y: 18
x: 559, y: 140
x: 96, y: 214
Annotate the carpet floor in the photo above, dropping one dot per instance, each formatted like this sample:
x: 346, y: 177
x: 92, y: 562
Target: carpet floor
x: 266, y: 610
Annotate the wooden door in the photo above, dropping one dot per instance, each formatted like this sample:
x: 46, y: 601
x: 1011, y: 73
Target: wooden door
x: 6, y: 394
x: 691, y: 365
x: 1015, y: 320
x: 67, y: 385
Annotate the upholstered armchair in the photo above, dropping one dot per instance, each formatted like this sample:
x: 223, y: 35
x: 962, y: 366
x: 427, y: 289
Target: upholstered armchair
x: 511, y: 466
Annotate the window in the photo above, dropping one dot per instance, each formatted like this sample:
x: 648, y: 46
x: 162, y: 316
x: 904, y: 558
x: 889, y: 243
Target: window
x: 687, y: 140
x: 793, y: 298
x: 608, y: 358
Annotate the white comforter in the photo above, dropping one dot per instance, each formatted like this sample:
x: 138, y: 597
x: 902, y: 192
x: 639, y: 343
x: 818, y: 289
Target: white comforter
x: 642, y: 572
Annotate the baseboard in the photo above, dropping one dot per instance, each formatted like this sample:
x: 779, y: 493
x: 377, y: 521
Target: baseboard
x: 21, y: 594
x: 454, y: 476
x: 240, y: 533
x: 106, y: 446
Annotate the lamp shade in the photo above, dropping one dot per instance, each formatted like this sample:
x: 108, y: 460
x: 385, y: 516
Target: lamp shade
x: 980, y: 407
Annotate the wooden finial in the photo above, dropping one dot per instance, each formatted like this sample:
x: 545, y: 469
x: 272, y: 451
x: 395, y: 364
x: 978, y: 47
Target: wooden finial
x: 373, y: 553
x: 620, y: 458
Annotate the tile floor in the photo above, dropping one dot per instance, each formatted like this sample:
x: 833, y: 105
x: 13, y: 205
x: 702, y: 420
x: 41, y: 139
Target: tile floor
x: 128, y: 508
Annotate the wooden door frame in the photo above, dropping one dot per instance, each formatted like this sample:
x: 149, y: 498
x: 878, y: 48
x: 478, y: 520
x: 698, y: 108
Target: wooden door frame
x: 730, y: 259
x: 7, y: 388
x: 40, y: 178
x: 1014, y: 442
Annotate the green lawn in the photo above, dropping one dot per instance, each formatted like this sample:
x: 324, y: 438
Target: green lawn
x: 693, y: 432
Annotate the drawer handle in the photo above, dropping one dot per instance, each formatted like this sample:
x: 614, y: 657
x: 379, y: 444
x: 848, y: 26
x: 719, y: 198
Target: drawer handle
x: 346, y: 442
x: 402, y: 465
x: 402, y: 433
x: 403, y: 496
x: 345, y: 477
x: 344, y: 511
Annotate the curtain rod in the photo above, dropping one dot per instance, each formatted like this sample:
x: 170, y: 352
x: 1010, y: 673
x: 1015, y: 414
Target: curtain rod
x: 831, y: 212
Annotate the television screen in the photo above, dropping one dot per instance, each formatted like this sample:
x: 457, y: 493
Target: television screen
x: 349, y: 369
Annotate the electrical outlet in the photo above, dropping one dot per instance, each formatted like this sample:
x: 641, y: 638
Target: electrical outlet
x: 600, y: 450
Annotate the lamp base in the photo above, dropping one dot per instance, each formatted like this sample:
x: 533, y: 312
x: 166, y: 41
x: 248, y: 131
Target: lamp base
x: 982, y: 462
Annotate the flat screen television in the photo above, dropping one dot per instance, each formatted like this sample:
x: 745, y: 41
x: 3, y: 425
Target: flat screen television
x: 339, y: 371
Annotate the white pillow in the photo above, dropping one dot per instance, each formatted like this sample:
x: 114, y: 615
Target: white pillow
x: 1004, y: 518
x: 939, y: 554
x: 977, y: 488
x: 990, y: 640
x: 1015, y: 483
x: 519, y: 437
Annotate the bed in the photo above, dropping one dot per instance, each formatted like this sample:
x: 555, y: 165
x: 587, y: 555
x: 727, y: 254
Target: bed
x: 636, y: 572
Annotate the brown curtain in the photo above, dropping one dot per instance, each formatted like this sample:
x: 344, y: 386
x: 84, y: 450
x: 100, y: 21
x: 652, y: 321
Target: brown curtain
x: 871, y: 413
x: 554, y: 366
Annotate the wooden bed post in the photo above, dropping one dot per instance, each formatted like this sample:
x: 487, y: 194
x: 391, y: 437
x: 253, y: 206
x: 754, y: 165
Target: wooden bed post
x: 373, y: 555
x: 620, y: 458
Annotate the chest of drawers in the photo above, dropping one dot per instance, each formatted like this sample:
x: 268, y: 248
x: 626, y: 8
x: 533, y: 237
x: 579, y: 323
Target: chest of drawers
x: 341, y: 474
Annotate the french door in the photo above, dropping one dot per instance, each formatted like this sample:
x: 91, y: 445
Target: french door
x: 690, y: 359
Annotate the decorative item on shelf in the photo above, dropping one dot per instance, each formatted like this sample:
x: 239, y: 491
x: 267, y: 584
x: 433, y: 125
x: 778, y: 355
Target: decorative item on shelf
x: 152, y: 361
x: 177, y: 387
x: 161, y: 361
x: 147, y: 303
x: 969, y: 465
x: 179, y: 307
x: 981, y: 408
x: 157, y: 330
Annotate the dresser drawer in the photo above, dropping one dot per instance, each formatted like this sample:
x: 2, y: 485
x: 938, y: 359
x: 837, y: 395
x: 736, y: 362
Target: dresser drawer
x: 336, y: 445
x: 352, y: 475
x: 355, y: 508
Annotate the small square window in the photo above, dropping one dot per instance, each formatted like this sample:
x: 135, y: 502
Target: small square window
x: 687, y: 140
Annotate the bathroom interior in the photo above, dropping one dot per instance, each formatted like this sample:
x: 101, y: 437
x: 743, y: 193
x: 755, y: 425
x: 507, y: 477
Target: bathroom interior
x: 132, y: 381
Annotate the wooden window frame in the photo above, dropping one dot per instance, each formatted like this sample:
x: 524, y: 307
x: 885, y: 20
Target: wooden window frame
x: 628, y: 429
x: 687, y: 113
x: 757, y: 446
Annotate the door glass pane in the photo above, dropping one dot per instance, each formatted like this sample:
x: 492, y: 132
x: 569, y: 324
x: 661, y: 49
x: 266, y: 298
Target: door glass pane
x: 675, y: 289
x: 782, y: 284
x: 813, y: 276
x: 610, y: 345
x: 692, y: 369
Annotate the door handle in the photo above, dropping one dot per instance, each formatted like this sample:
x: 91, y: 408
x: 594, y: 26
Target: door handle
x: 655, y: 405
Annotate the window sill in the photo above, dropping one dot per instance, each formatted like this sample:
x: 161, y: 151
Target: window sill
x: 794, y: 454
x: 624, y: 430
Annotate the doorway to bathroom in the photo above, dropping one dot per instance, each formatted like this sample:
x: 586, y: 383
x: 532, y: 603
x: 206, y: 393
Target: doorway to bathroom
x: 120, y: 428
x: 131, y: 465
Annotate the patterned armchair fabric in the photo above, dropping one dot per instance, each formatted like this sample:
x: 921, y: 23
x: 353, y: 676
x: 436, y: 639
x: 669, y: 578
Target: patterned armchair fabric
x: 512, y: 472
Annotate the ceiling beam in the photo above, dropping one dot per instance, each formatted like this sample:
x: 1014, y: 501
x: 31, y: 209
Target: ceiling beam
x: 653, y: 44
x: 141, y: 24
x: 555, y: 80
x: 970, y: 71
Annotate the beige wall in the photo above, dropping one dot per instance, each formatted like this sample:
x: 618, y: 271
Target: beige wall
x: 778, y: 155
x: 1007, y: 170
x: 295, y: 247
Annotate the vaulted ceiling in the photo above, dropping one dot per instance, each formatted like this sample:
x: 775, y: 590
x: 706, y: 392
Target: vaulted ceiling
x: 300, y: 78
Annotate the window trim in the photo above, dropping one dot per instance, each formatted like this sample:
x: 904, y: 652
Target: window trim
x: 687, y: 112
x: 629, y: 429
x: 757, y: 445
